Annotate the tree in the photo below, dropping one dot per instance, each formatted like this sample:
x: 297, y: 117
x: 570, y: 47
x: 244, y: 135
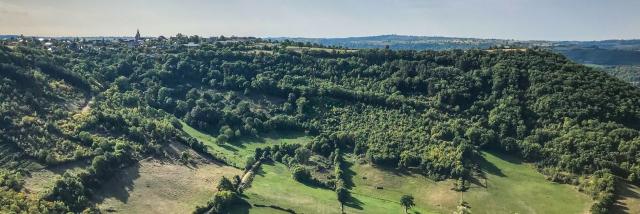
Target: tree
x: 237, y: 180
x: 343, y: 196
x: 185, y: 157
x: 301, y: 105
x: 301, y: 174
x: 225, y: 184
x: 302, y: 155
x: 249, y: 161
x: 407, y: 202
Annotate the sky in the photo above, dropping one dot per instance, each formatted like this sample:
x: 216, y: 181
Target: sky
x: 503, y: 19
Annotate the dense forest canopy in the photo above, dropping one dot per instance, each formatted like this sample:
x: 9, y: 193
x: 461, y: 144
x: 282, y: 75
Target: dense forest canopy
x: 423, y: 110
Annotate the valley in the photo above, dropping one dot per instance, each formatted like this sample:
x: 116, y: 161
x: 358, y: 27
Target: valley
x: 245, y: 125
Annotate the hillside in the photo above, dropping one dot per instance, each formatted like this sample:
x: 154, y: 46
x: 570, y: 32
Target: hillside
x: 613, y: 54
x: 307, y: 114
x: 401, y: 42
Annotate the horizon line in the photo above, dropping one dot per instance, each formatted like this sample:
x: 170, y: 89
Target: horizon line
x: 336, y: 37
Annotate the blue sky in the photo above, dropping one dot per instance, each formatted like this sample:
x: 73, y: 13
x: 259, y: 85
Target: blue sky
x: 508, y: 19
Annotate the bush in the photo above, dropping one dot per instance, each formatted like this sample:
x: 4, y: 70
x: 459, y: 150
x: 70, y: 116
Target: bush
x: 220, y: 202
x: 301, y: 174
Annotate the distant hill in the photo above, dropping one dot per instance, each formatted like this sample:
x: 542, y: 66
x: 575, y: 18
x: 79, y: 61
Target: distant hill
x: 619, y: 58
x: 606, y: 52
x: 402, y: 42
x: 8, y: 36
x: 601, y: 56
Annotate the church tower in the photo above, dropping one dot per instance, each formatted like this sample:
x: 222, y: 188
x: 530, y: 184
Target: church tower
x: 138, y: 35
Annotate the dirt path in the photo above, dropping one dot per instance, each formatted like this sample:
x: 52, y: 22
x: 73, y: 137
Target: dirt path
x: 248, y: 176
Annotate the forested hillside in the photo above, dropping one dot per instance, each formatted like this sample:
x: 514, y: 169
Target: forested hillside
x: 630, y: 73
x: 619, y: 55
x: 426, y: 111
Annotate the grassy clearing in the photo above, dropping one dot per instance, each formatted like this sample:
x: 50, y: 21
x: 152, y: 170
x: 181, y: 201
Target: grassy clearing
x: 429, y: 195
x: 235, y: 153
x: 273, y: 185
x: 154, y: 186
x: 40, y: 180
x: 512, y: 187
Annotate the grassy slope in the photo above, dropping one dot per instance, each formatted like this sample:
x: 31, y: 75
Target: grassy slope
x: 366, y: 178
x: 235, y: 153
x: 273, y: 185
x: 512, y: 188
x: 154, y: 186
x: 517, y: 187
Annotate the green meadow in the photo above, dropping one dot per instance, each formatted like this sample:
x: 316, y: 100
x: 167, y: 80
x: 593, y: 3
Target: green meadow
x: 236, y: 152
x: 508, y: 185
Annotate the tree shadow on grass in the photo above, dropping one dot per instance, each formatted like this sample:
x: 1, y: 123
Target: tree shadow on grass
x: 119, y: 186
x: 231, y: 148
x: 281, y: 135
x: 489, y: 167
x: 64, y: 167
x: 505, y: 156
x: 478, y: 181
x: 349, y: 174
x: 353, y: 202
x: 313, y: 184
x: 261, y: 171
x: 241, y: 207
x: 624, y: 191
x: 395, y: 170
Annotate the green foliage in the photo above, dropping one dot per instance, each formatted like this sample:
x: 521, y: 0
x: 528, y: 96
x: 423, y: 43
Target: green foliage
x: 428, y: 111
x: 629, y: 74
x: 249, y: 162
x: 13, y: 199
x: 601, y: 187
x: 221, y: 202
x: 302, y: 155
x: 16, y: 202
x: 71, y: 191
x: 225, y: 185
x: 300, y: 174
x: 11, y: 180
x: 407, y: 202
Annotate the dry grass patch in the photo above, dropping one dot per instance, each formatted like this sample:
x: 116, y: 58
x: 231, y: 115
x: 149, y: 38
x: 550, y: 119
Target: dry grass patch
x: 154, y: 186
